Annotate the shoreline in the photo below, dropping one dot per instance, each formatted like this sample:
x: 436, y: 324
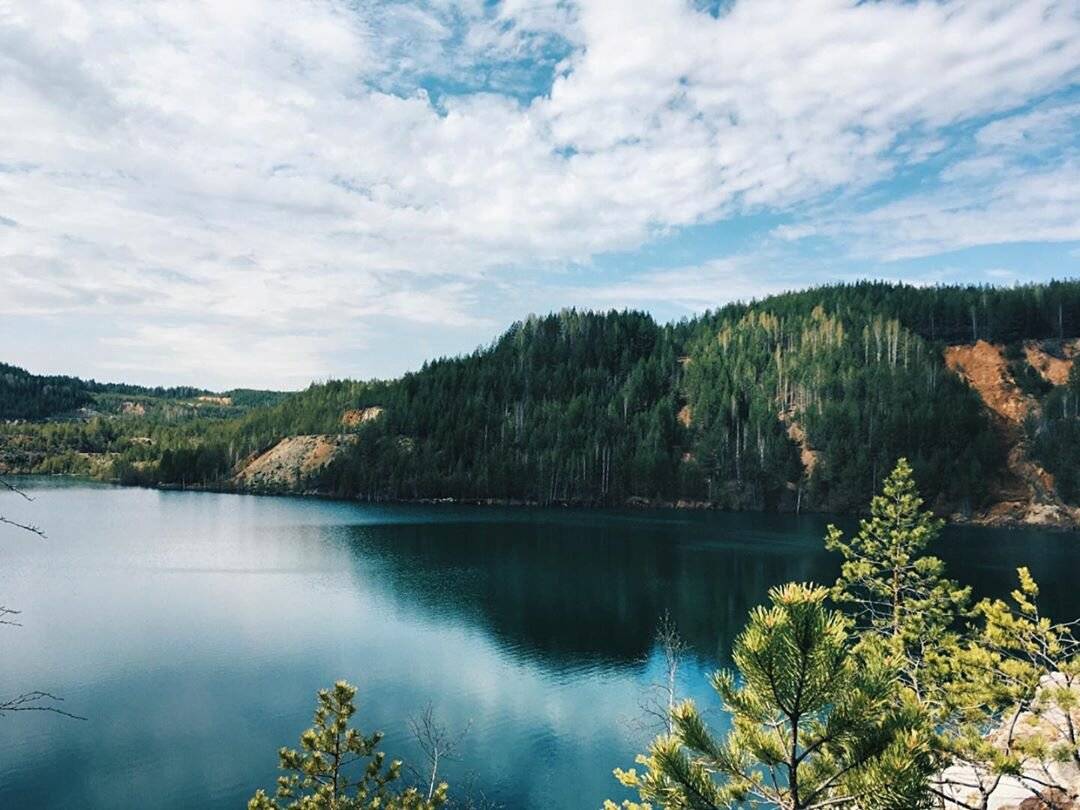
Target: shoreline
x: 632, y: 503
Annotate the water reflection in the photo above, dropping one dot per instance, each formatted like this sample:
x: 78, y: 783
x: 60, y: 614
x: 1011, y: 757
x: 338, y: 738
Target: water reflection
x: 565, y: 594
x: 193, y: 630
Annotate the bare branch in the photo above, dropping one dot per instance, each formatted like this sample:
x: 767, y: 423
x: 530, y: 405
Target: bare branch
x: 469, y: 796
x: 12, y: 488
x: 36, y: 701
x: 674, y: 647
x: 437, y: 742
x: 30, y: 527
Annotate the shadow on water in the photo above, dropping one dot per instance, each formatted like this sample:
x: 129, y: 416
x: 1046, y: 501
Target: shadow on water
x: 193, y: 630
x: 562, y: 592
x: 563, y: 589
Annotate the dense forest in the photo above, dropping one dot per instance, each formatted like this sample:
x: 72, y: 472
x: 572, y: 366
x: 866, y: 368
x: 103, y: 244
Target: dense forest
x: 29, y: 396
x: 1055, y: 435
x: 801, y: 400
x: 38, y: 397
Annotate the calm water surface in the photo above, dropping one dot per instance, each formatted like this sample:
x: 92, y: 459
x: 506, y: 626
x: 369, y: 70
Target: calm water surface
x: 192, y: 630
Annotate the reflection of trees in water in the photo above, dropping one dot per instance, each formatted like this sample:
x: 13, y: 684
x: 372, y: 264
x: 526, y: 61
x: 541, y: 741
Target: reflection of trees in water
x: 987, y: 559
x: 570, y: 595
x: 569, y: 592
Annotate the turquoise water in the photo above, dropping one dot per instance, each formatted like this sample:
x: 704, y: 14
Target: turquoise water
x: 192, y: 630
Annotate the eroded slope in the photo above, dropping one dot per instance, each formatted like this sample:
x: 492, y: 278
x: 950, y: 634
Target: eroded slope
x: 290, y: 462
x: 1024, y: 492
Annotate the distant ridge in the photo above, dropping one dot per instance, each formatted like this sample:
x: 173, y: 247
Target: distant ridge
x: 798, y: 401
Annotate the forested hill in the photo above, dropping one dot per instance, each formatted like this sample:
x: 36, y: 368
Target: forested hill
x: 802, y: 400
x: 37, y: 397
x: 61, y: 424
x: 29, y: 396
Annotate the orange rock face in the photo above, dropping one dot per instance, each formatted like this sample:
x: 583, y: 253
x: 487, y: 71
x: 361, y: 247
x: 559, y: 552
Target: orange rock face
x: 985, y: 369
x: 357, y: 416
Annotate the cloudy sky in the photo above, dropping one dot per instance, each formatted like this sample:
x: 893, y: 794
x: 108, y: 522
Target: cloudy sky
x: 266, y: 193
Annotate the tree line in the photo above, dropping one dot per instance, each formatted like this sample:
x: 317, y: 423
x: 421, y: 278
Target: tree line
x: 796, y: 401
x: 602, y: 408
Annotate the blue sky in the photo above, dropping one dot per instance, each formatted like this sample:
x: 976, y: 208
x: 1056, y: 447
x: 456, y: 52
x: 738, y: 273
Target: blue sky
x: 266, y: 193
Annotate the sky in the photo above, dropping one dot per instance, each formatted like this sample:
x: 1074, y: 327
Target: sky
x: 268, y: 193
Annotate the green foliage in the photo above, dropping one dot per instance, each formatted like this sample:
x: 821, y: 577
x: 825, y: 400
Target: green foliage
x: 998, y: 698
x: 863, y: 388
x: 574, y: 407
x: 339, y: 768
x: 897, y: 594
x: 32, y: 396
x: 1015, y: 702
x: 29, y: 396
x: 815, y: 723
x: 950, y: 314
x: 137, y: 439
x: 1027, y: 379
x: 586, y: 407
x: 1054, y: 433
x: 927, y: 703
x: 610, y: 408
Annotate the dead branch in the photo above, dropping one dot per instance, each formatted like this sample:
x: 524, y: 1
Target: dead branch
x: 36, y: 701
x: 12, y: 488
x: 437, y: 742
x: 5, y: 612
x: 29, y: 527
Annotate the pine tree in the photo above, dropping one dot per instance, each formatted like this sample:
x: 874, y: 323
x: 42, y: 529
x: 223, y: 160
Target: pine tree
x: 320, y: 775
x: 998, y: 700
x: 814, y: 725
x: 898, y: 595
x: 1015, y: 706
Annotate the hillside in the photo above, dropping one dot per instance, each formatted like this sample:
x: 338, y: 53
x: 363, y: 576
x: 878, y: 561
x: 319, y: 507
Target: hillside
x: 290, y: 463
x: 60, y: 424
x: 29, y: 396
x: 37, y: 397
x: 797, y: 401
x: 1023, y: 491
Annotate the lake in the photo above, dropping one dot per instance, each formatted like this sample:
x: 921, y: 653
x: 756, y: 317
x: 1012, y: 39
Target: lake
x: 193, y: 629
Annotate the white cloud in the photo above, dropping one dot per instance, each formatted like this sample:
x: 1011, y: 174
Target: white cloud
x: 273, y: 166
x: 793, y: 233
x: 693, y: 288
x: 1019, y: 183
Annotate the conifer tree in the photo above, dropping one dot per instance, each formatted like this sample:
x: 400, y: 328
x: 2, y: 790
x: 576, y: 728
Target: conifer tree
x: 339, y: 768
x: 814, y: 725
x: 1015, y: 706
x: 898, y: 595
x: 998, y: 700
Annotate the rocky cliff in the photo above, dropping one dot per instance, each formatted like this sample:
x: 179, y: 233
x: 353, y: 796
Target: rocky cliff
x: 1024, y: 492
